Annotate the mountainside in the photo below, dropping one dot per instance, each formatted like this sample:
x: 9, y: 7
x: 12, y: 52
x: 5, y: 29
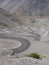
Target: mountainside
x: 26, y: 7
x: 10, y: 5
x: 1, y: 1
x: 30, y: 7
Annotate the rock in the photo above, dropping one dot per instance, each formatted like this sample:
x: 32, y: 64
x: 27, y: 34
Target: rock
x: 5, y: 52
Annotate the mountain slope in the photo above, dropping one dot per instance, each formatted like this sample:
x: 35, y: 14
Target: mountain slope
x: 11, y: 5
x: 1, y: 1
x: 26, y: 7
x: 30, y: 7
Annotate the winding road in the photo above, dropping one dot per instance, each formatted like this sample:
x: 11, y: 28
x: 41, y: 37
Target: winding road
x: 24, y: 43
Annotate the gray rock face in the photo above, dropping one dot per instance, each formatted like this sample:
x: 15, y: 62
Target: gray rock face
x: 37, y: 6
x: 26, y: 7
x: 1, y: 1
x: 10, y: 5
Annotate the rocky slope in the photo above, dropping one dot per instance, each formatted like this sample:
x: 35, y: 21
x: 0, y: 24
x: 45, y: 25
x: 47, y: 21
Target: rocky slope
x: 1, y: 1
x: 26, y: 7
x: 34, y: 7
x: 23, y: 61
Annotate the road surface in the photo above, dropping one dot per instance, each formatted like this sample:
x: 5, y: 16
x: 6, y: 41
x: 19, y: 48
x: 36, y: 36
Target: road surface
x: 24, y: 43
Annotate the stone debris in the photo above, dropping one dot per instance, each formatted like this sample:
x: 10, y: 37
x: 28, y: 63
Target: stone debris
x: 23, y: 61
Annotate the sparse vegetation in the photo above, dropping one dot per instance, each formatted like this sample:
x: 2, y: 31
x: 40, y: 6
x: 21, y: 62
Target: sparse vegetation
x: 34, y: 55
x: 20, y: 20
x: 3, y: 24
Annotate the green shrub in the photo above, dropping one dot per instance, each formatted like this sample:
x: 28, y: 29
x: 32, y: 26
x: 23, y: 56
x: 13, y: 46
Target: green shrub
x: 34, y: 55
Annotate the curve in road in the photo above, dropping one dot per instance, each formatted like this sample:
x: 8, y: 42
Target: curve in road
x: 24, y: 44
